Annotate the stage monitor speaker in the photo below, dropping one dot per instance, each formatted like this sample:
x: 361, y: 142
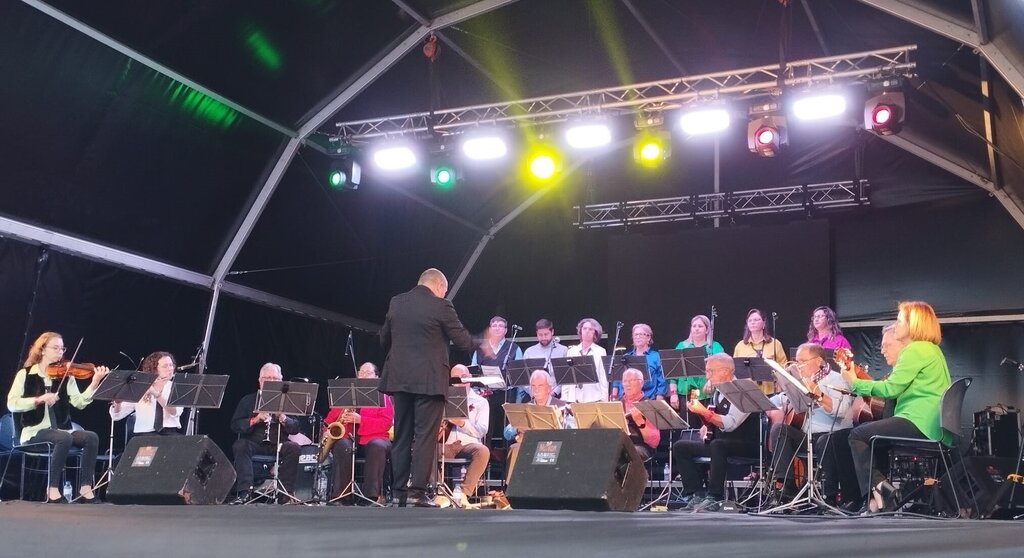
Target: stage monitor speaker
x: 589, y: 470
x: 171, y: 470
x: 988, y: 479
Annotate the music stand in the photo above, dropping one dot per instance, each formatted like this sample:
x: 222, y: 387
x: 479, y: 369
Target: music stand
x: 357, y: 393
x: 126, y: 386
x: 519, y: 371
x: 682, y: 363
x: 574, y: 370
x: 621, y: 362
x: 456, y: 405
x: 753, y: 368
x: 483, y: 375
x: 803, y: 402
x: 285, y: 398
x: 527, y: 416
x: 664, y: 417
x: 199, y: 391
x: 748, y: 398
x: 600, y: 414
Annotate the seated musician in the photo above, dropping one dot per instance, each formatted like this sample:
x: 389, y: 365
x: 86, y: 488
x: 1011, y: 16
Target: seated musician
x: 41, y: 405
x: 726, y: 432
x: 918, y: 379
x: 371, y: 425
x: 466, y: 439
x: 152, y: 414
x: 541, y: 385
x: 644, y: 435
x: 829, y: 423
x: 258, y: 434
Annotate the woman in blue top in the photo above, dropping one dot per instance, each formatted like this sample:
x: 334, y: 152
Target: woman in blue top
x: 700, y: 336
x: 655, y: 388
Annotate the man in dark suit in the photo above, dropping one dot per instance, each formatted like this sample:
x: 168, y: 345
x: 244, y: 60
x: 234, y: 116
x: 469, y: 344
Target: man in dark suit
x: 416, y: 332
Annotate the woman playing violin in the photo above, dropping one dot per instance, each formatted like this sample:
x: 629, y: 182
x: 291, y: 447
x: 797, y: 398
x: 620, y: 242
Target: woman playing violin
x: 41, y: 406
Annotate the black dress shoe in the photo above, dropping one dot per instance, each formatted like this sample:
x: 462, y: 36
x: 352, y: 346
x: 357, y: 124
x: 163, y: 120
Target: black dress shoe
x: 84, y: 500
x: 852, y: 506
x: 59, y: 500
x: 241, y: 498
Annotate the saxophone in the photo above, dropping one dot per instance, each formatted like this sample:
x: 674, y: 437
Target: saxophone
x: 334, y: 432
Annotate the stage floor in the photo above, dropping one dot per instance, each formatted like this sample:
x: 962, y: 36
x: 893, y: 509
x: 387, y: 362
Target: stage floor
x: 31, y: 529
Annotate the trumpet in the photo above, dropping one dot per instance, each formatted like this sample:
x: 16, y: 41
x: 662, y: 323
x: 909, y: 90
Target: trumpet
x: 334, y: 432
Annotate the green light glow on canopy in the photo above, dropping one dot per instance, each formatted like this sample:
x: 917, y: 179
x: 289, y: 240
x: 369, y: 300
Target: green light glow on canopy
x: 203, y: 107
x: 261, y: 47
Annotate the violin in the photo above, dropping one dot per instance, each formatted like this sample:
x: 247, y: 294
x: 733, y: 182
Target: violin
x: 64, y: 368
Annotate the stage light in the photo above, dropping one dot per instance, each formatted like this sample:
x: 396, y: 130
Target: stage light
x: 819, y: 106
x: 543, y: 166
x: 444, y: 176
x: 884, y: 113
x: 484, y: 148
x: 704, y: 121
x: 766, y: 130
x: 344, y: 174
x: 395, y: 157
x: 651, y: 148
x: 588, y: 136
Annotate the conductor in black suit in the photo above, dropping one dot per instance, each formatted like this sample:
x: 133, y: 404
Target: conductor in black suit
x: 415, y: 335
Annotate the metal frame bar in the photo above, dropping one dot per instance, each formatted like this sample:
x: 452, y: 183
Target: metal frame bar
x: 153, y: 64
x: 655, y: 95
x: 917, y: 13
x: 802, y: 198
x: 67, y: 244
x: 995, y: 318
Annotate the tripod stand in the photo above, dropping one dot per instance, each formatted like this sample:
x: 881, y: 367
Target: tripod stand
x: 455, y: 406
x: 664, y: 418
x: 281, y: 399
x: 127, y: 387
x: 352, y: 489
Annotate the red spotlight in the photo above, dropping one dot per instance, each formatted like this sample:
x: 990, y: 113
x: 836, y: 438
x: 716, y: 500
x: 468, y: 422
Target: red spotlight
x: 766, y: 135
x: 884, y: 113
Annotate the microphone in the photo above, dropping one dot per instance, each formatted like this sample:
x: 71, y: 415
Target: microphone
x: 300, y: 379
x: 557, y: 340
x: 619, y: 324
x: 775, y: 316
x: 187, y: 366
x: 517, y: 327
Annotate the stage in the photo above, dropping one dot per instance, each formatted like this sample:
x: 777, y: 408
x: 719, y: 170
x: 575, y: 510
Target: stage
x: 31, y: 529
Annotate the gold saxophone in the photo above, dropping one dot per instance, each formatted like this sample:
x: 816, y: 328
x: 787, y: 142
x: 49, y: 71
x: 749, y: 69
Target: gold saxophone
x: 334, y: 432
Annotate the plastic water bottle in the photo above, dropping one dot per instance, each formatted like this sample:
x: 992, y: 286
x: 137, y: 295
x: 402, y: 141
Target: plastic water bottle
x: 67, y: 490
x: 462, y: 474
x: 667, y: 475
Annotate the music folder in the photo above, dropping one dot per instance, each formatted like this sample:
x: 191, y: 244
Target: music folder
x: 601, y: 414
x: 482, y: 375
x: 797, y: 393
x: 527, y: 416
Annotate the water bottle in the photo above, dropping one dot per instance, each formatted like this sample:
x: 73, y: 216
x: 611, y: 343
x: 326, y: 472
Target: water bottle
x: 462, y: 474
x: 67, y: 490
x: 667, y: 475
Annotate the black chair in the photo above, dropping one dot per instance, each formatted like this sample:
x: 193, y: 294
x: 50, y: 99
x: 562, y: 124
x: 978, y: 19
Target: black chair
x: 30, y: 454
x: 950, y: 409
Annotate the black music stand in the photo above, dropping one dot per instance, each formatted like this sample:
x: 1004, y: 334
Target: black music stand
x: 518, y: 371
x: 285, y: 398
x: 682, y: 363
x: 456, y: 405
x: 357, y: 393
x: 748, y: 398
x: 664, y: 417
x: 484, y: 376
x: 126, y: 386
x: 753, y: 368
x: 574, y: 370
x: 199, y: 391
x: 621, y: 362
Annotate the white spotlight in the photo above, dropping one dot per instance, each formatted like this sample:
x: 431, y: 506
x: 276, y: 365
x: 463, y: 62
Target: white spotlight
x: 394, y: 158
x: 587, y: 136
x: 817, y: 107
x: 707, y: 121
x: 484, y: 147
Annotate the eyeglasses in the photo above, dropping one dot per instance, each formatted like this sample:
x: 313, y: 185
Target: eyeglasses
x: 641, y: 334
x: 58, y: 349
x: 803, y: 362
x: 632, y: 380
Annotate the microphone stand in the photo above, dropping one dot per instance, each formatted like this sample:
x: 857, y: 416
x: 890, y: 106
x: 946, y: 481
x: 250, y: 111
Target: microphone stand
x: 611, y: 353
x: 504, y: 363
x: 350, y: 351
x: 193, y: 416
x: 711, y: 331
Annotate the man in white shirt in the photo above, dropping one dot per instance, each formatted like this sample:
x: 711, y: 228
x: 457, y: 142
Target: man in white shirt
x: 467, y: 436
x: 547, y: 348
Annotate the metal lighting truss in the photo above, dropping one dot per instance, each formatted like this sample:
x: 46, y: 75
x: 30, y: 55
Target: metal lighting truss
x: 806, y: 198
x: 651, y: 96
